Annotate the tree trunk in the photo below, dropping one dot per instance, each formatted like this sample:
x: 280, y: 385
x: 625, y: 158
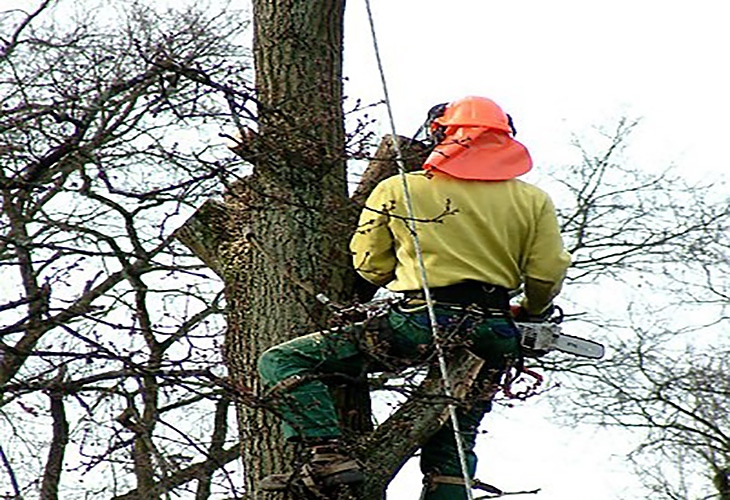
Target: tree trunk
x: 297, y: 197
x: 281, y: 236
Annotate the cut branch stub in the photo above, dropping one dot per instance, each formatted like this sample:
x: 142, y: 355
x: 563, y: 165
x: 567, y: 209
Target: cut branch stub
x: 384, y: 164
x: 209, y: 232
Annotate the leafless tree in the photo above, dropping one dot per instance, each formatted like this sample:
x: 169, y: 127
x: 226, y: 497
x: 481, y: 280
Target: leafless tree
x: 110, y: 330
x: 665, y: 239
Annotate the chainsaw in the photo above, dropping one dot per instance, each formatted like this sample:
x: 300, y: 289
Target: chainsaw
x: 540, y: 338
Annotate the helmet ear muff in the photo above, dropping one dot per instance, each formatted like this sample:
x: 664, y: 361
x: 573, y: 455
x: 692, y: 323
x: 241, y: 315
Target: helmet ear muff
x: 436, y: 133
x: 511, y: 124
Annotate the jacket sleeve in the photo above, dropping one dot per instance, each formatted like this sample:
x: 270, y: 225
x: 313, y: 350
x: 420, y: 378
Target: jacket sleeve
x: 547, y: 261
x: 372, y: 245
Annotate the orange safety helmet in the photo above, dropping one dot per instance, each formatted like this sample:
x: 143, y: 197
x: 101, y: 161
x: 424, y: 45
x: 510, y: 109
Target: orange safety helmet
x: 474, y: 112
x: 474, y: 141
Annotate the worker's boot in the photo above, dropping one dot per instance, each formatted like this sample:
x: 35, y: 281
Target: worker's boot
x: 327, y: 466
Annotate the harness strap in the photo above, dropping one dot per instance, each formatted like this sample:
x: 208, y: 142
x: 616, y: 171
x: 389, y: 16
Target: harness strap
x: 476, y: 484
x: 469, y: 292
x: 459, y: 481
x: 416, y: 305
x: 309, y: 472
x: 286, y: 384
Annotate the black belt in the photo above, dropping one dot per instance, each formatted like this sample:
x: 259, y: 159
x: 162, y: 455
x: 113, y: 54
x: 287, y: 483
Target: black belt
x: 467, y: 293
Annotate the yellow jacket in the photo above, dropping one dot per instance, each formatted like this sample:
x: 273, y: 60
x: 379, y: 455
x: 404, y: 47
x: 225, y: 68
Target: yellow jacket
x: 499, y: 232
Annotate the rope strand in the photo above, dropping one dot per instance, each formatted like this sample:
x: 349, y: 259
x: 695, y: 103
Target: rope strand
x: 422, y: 268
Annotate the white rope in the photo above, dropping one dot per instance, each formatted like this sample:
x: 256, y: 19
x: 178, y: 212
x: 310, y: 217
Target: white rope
x: 422, y: 268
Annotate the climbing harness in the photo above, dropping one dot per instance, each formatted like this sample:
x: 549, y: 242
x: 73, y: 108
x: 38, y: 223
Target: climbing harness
x: 422, y: 268
x: 369, y: 327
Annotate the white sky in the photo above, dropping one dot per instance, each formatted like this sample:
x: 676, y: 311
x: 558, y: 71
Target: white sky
x: 559, y: 67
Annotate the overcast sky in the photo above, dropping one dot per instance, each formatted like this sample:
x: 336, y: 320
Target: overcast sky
x: 559, y: 67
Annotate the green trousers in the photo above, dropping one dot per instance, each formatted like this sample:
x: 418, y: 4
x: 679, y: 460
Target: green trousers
x: 307, y: 409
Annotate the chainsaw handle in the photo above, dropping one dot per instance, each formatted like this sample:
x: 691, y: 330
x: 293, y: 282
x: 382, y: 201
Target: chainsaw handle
x: 558, y: 315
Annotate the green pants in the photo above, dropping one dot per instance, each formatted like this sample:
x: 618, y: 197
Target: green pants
x: 307, y: 409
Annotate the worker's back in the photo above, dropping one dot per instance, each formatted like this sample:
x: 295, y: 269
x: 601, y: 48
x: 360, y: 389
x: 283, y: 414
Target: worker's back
x: 489, y: 231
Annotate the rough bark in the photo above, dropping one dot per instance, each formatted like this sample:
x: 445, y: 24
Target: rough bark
x: 297, y: 195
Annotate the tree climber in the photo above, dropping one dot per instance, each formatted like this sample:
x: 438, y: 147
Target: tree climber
x: 482, y: 233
